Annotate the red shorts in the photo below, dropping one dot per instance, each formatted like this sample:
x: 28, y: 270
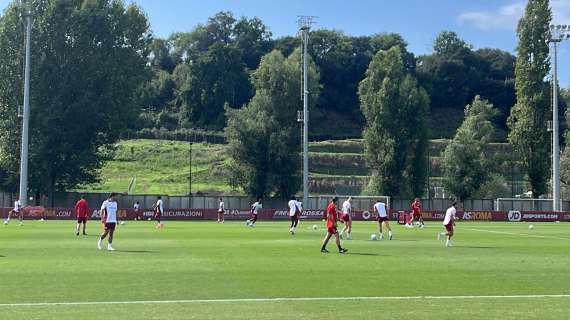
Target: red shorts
x: 110, y: 225
x: 449, y: 227
x: 81, y: 219
x: 332, y: 230
x: 345, y: 217
x: 382, y: 219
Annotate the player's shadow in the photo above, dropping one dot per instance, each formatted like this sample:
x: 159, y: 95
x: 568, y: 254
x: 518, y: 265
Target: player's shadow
x: 136, y: 251
x: 366, y: 254
x: 480, y: 247
x: 1, y: 256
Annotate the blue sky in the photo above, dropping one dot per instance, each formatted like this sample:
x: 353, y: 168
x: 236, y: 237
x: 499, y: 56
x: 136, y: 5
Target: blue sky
x: 483, y: 23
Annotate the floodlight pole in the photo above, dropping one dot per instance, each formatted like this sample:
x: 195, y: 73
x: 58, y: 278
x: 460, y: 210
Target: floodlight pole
x: 190, y: 176
x: 305, y: 23
x: 555, y: 127
x: 26, y: 115
x: 305, y: 120
x: 558, y: 33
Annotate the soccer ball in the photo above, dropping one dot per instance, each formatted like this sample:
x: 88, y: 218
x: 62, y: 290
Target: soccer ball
x: 148, y: 219
x: 122, y: 222
x: 315, y: 227
x: 42, y: 219
x: 531, y: 227
x: 373, y: 237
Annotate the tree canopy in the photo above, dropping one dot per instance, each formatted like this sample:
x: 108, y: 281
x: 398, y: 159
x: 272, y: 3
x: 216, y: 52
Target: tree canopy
x: 395, y: 137
x: 264, y: 136
x: 89, y: 62
x: 527, y: 122
x: 466, y: 166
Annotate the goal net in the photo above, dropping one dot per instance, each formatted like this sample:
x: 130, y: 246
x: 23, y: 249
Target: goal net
x: 358, y: 202
x: 524, y: 204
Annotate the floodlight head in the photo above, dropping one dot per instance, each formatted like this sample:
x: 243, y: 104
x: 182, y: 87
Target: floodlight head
x: 305, y: 22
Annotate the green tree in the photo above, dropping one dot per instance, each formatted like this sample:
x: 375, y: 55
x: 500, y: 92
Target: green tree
x: 158, y: 92
x: 565, y: 158
x: 466, y: 166
x: 161, y: 55
x: 253, y: 39
x: 527, y: 122
x: 447, y: 73
x: 89, y: 63
x: 217, y: 77
x: 455, y: 73
x: 395, y: 108
x: 497, y: 82
x: 219, y: 57
x: 264, y: 136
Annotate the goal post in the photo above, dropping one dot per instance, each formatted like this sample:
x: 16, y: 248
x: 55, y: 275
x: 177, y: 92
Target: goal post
x: 524, y: 204
x: 358, y: 202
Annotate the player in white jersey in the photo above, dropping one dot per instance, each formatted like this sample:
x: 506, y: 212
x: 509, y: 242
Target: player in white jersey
x: 136, y: 209
x: 158, y: 211
x: 221, y: 211
x: 346, y: 218
x: 449, y: 224
x: 255, y: 209
x: 383, y: 221
x: 109, y: 210
x: 16, y: 211
x: 295, y: 209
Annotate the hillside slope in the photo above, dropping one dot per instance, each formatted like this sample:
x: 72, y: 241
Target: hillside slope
x: 162, y: 167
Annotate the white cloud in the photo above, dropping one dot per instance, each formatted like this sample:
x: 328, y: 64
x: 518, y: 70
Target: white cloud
x: 507, y: 16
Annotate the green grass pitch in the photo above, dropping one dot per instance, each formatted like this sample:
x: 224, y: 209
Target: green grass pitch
x: 162, y: 274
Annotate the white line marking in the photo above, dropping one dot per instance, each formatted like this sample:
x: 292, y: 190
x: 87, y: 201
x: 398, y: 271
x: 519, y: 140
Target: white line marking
x: 518, y: 234
x: 387, y: 298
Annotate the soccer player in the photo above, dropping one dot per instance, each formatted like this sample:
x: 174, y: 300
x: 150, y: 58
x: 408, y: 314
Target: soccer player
x: 332, y: 218
x: 295, y: 210
x: 416, y: 214
x: 109, y: 218
x: 158, y: 211
x: 81, y: 210
x: 136, y: 208
x: 16, y: 211
x: 254, y: 212
x: 347, y: 218
x: 449, y: 224
x: 221, y: 211
x: 383, y: 221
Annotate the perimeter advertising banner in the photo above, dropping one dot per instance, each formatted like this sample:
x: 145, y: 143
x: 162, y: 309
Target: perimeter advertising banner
x: 282, y: 214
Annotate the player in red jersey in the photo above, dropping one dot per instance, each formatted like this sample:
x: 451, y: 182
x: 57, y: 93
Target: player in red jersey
x: 332, y: 218
x: 82, y: 211
x: 416, y: 214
